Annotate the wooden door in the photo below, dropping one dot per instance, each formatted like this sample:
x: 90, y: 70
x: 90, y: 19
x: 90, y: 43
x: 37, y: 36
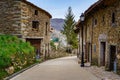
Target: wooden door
x: 103, y: 48
x: 36, y: 43
x: 112, y: 56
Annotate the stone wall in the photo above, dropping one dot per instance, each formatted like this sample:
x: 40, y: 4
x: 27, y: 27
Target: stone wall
x: 16, y: 19
x: 10, y: 16
x: 101, y: 29
x: 27, y: 16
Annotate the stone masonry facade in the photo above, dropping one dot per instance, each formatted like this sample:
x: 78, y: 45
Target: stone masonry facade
x: 27, y: 21
x: 101, y: 32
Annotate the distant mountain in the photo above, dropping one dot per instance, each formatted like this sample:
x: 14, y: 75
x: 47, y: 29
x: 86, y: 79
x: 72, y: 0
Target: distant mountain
x: 57, y: 23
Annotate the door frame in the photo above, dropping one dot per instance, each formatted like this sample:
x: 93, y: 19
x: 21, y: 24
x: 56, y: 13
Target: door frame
x: 102, y: 56
x: 36, y: 45
x: 114, y: 69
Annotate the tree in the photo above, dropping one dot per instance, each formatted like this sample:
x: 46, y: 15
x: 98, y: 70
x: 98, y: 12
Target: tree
x: 68, y: 29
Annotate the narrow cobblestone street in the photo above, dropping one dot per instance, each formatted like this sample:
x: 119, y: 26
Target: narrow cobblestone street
x: 66, y: 68
x: 102, y: 74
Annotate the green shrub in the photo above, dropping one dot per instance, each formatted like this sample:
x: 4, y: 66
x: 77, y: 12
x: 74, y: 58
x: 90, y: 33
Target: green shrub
x: 3, y: 74
x: 4, y: 61
x: 52, y: 45
x: 15, y: 52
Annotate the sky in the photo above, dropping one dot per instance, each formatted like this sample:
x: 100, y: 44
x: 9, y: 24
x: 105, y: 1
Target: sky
x: 58, y: 8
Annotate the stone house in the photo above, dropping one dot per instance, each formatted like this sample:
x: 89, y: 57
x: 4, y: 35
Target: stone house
x: 26, y: 21
x: 101, y: 30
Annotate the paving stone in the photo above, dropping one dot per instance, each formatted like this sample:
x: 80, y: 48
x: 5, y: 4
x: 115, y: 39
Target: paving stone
x: 102, y: 74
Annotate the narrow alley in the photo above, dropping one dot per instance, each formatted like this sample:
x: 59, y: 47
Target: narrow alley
x: 66, y: 68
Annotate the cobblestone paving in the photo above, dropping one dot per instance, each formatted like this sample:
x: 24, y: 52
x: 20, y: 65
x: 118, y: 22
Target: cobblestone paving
x: 102, y: 74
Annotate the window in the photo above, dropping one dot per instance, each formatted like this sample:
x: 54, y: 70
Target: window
x: 95, y: 21
x: 94, y: 48
x: 51, y: 28
x: 113, y: 17
x: 35, y: 24
x: 36, y: 12
x: 46, y: 28
x: 103, y: 20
